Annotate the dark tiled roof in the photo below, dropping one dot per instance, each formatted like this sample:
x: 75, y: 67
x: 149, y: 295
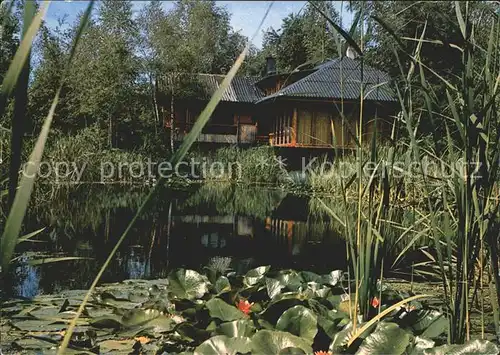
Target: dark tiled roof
x: 242, y: 89
x: 326, y: 83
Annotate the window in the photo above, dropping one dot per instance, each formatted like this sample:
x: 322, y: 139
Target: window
x: 314, y: 128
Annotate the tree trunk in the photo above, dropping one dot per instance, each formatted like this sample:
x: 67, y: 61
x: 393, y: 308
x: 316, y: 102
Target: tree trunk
x: 169, y: 231
x: 156, y: 113
x: 172, y: 117
x: 110, y: 131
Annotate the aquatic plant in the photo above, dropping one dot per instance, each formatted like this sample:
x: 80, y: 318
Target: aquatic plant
x: 263, y: 311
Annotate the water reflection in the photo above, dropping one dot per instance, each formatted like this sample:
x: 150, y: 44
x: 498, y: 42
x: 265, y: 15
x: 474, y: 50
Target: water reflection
x: 28, y: 276
x: 181, y: 229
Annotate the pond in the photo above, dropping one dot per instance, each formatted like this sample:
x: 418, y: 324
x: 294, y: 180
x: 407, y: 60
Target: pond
x: 182, y: 228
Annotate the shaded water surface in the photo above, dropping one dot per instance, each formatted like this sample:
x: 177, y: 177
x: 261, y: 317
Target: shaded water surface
x: 251, y: 225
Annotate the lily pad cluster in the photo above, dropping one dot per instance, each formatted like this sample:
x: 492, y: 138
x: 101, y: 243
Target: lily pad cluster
x: 263, y: 311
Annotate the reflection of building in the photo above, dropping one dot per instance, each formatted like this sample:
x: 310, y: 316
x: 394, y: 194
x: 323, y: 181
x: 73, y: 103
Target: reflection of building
x: 136, y: 263
x: 213, y: 240
x: 27, y: 278
x: 238, y: 225
x: 220, y: 232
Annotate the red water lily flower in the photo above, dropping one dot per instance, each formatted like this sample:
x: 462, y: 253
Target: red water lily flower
x: 321, y: 352
x: 244, y: 306
x: 375, y: 302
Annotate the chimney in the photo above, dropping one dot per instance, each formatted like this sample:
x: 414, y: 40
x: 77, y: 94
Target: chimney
x: 270, y: 66
x: 351, y: 53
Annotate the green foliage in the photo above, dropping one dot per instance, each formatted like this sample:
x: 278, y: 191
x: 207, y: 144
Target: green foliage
x: 187, y: 284
x: 289, y: 323
x: 221, y: 344
x: 440, y: 49
x: 388, y: 338
x: 299, y: 321
x: 251, y: 165
x: 9, y: 26
x: 459, y: 222
x: 219, y: 309
x: 302, y: 38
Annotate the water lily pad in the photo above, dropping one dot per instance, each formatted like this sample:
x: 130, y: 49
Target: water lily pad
x: 430, y: 324
x: 328, y: 319
x: 223, y: 311
x: 161, y: 324
x: 332, y: 278
x: 187, y: 284
x: 11, y: 310
x: 388, y: 338
x: 117, y: 294
x: 112, y: 345
x: 139, y: 316
x: 273, y: 287
x: 222, y: 285
x: 291, y: 351
x: 253, y: 276
x: 472, y: 347
x: 221, y: 344
x: 315, y: 289
x: 309, y: 276
x: 51, y: 312
x: 340, y: 339
x: 237, y: 328
x: 39, y: 325
x: 139, y: 296
x: 280, y: 304
x: 290, y: 279
x: 190, y: 333
x: 162, y: 304
x: 33, y: 344
x: 95, y: 312
x: 420, y: 344
x: 299, y: 321
x: 107, y: 321
x: 272, y: 342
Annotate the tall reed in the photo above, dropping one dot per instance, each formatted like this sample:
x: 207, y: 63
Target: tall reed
x: 363, y: 226
x: 463, y: 220
x: 460, y: 214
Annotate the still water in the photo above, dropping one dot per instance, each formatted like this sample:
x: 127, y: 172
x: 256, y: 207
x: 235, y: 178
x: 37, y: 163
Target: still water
x: 251, y: 225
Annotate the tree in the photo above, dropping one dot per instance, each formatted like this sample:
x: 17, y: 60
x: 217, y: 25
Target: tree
x: 302, y: 38
x: 193, y: 37
x: 9, y: 29
x: 46, y: 79
x: 319, y: 39
x: 105, y: 72
x: 408, y: 20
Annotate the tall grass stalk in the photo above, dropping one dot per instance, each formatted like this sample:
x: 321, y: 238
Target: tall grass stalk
x: 176, y: 158
x: 459, y: 215
x: 20, y: 105
x: 363, y: 232
x: 462, y: 221
x: 20, y: 201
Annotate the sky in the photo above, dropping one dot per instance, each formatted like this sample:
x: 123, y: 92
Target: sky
x: 245, y: 15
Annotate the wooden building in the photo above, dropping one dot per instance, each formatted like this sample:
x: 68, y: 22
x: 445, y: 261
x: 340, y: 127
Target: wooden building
x: 310, y: 108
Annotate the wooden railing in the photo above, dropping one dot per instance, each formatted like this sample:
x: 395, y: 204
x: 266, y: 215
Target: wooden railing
x: 214, y: 128
x: 225, y: 134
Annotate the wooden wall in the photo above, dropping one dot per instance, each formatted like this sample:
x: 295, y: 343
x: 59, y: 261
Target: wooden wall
x: 225, y: 115
x: 320, y: 125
